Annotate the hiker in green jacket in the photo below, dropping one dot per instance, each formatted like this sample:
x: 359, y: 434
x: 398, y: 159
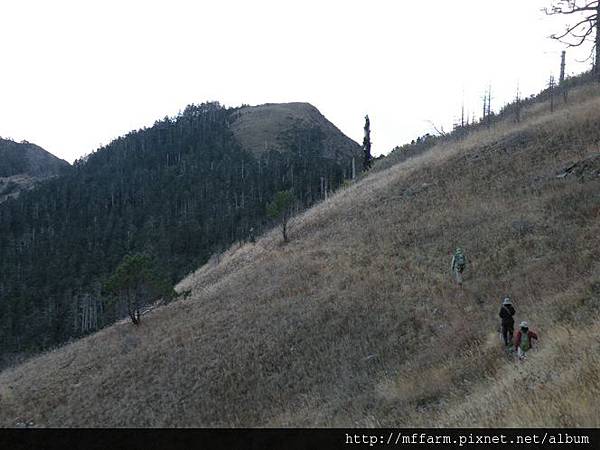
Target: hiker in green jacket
x: 459, y: 262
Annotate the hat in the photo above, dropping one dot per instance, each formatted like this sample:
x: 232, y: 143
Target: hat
x: 524, y: 324
x: 507, y: 301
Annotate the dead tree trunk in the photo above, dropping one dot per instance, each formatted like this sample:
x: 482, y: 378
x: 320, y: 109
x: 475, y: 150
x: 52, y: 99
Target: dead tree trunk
x: 562, y: 86
x: 367, y: 144
x: 518, y: 106
x: 484, y: 107
x: 551, y: 91
x: 597, y: 60
x: 489, y: 107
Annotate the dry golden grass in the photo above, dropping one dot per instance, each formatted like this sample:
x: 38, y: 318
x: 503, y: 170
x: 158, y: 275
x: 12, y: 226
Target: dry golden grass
x: 355, y: 322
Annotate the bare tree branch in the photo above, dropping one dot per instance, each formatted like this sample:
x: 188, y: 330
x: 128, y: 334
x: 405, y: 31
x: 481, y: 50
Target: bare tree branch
x: 557, y: 7
x: 577, y: 34
x: 441, y: 133
x: 581, y: 40
x: 570, y: 29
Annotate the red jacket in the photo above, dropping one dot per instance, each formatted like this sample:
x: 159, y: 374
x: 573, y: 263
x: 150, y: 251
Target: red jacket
x: 531, y: 336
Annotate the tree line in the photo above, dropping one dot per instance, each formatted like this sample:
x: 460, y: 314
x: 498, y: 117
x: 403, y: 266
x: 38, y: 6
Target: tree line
x: 175, y: 193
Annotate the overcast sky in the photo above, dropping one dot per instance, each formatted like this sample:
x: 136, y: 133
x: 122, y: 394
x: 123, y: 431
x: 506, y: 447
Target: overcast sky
x: 77, y: 74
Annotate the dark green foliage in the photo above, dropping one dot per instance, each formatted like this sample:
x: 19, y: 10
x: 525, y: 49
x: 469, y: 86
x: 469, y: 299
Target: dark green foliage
x: 136, y: 283
x: 280, y: 209
x: 176, y: 192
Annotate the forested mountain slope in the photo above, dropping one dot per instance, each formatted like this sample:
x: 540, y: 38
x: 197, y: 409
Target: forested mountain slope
x: 355, y: 322
x: 22, y: 164
x: 178, y: 192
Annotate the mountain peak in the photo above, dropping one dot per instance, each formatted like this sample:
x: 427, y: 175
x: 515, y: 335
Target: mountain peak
x: 267, y: 127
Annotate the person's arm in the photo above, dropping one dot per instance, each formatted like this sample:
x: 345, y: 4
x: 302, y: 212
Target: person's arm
x: 532, y: 335
x: 518, y: 340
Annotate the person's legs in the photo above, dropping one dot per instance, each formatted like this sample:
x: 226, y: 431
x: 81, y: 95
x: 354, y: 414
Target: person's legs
x: 505, y: 334
x: 458, y: 276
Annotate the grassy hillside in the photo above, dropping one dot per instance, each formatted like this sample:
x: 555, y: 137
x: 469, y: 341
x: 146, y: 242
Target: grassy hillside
x: 271, y: 127
x: 355, y: 321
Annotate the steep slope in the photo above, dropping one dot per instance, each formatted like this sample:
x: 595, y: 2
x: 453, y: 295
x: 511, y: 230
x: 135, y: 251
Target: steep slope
x: 355, y: 322
x: 177, y: 191
x: 22, y: 165
x: 272, y: 126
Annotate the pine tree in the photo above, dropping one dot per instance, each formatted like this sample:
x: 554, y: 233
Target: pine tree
x: 281, y: 209
x: 136, y: 284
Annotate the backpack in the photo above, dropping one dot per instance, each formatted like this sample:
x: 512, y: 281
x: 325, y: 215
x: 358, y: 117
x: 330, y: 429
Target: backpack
x: 508, y: 319
x: 459, y: 261
x: 525, y: 342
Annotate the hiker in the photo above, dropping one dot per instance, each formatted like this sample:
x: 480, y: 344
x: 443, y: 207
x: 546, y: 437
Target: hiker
x: 524, y: 340
x: 458, y: 265
x: 251, y: 235
x: 507, y: 311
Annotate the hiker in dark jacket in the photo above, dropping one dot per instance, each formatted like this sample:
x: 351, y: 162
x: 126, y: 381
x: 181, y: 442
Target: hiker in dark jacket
x: 524, y: 340
x: 507, y: 311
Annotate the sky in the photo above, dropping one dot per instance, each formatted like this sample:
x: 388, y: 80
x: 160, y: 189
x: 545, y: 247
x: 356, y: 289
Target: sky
x: 77, y: 74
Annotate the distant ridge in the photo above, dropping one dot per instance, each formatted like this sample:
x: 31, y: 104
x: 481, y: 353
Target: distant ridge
x: 22, y: 164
